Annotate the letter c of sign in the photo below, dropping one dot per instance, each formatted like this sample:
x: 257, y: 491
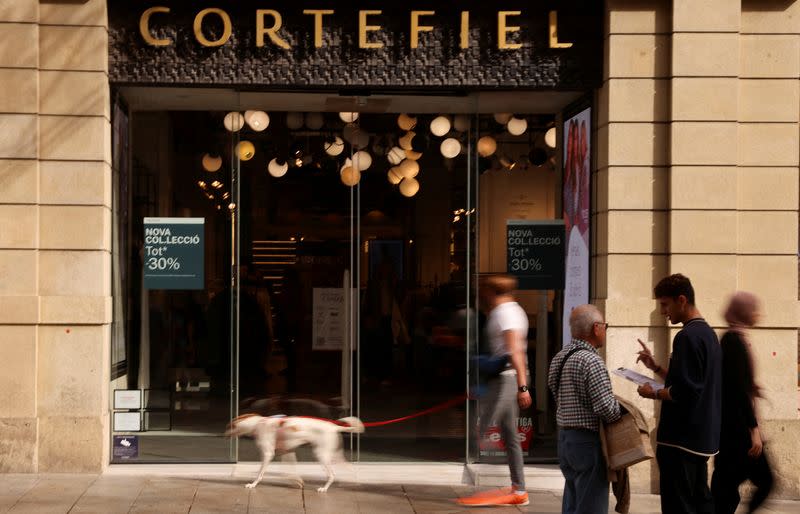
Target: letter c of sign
x: 144, y: 27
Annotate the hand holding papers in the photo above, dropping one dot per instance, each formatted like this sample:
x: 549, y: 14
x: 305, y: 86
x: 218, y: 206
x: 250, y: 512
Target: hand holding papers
x: 638, y: 378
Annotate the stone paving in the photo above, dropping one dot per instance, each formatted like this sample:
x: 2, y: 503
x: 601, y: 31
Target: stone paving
x: 104, y: 494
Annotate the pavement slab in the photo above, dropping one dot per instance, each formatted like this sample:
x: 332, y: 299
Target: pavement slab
x: 220, y: 493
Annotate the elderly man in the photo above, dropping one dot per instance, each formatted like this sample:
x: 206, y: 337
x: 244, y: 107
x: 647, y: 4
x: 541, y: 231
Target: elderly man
x: 580, y: 384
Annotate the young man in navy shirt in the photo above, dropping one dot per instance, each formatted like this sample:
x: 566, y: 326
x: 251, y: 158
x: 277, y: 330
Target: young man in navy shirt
x: 689, y: 427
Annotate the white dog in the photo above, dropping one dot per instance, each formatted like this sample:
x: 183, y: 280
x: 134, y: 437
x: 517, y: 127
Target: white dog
x: 277, y: 435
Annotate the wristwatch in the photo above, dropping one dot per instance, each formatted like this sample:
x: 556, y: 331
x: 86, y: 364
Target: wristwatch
x: 523, y: 389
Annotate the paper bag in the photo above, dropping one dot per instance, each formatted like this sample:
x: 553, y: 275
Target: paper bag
x: 624, y: 444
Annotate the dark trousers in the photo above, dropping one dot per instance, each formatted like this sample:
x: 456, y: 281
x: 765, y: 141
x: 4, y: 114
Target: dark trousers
x: 580, y: 457
x: 731, y: 468
x: 684, y: 482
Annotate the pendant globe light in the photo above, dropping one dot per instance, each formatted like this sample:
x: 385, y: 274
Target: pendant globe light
x: 440, y: 126
x: 406, y: 122
x: 517, y: 126
x: 334, y: 146
x: 409, y: 187
x: 256, y: 120
x: 394, y: 176
x: 212, y: 163
x: 408, y: 168
x: 277, y: 167
x: 350, y: 176
x: 233, y: 121
x: 550, y: 137
x: 450, y: 147
x: 362, y: 160
x: 348, y: 117
x: 487, y: 146
x: 406, y: 140
x: 245, y: 150
x: 395, y: 155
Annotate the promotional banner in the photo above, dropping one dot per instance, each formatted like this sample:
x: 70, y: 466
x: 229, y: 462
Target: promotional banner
x: 535, y: 253
x: 492, y: 445
x: 577, y: 162
x: 174, y: 253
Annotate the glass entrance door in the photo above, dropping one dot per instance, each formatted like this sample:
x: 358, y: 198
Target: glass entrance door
x: 297, y: 267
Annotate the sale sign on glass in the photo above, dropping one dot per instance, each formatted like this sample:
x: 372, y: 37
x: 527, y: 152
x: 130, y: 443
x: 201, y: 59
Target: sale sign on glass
x: 174, y: 253
x: 491, y: 443
x: 535, y: 253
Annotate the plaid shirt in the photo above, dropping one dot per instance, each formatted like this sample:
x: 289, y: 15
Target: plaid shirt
x: 584, y: 396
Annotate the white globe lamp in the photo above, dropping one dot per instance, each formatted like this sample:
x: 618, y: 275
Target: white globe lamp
x: 450, y: 147
x: 440, y: 126
x: 409, y: 187
x: 277, y: 168
x: 395, y: 155
x: 233, y: 121
x: 517, y: 126
x: 394, y: 176
x: 550, y: 137
x: 408, y: 169
x: 362, y: 160
x: 334, y: 147
x: 256, y: 120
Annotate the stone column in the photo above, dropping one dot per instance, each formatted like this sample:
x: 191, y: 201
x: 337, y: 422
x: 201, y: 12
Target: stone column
x: 55, y: 191
x: 631, y: 188
x: 74, y: 237
x: 767, y: 210
x: 19, y: 233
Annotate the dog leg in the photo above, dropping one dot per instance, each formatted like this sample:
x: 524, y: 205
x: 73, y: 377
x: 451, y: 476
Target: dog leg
x: 266, y: 458
x: 292, y: 457
x: 331, y: 477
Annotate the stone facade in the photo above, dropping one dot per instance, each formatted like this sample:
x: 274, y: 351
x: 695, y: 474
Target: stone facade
x: 696, y: 172
x: 54, y: 236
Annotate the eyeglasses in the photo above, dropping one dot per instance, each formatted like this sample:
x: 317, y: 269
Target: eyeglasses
x: 605, y: 325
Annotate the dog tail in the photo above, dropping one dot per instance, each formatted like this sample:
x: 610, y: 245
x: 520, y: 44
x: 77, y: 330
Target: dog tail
x: 354, y: 425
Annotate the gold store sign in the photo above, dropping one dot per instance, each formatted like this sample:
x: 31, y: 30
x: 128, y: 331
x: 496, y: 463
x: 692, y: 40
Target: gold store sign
x: 268, y: 22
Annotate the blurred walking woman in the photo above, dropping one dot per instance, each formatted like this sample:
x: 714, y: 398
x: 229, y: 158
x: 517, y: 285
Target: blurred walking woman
x: 741, y: 454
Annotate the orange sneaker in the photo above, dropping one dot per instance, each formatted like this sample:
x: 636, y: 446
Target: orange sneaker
x: 496, y: 497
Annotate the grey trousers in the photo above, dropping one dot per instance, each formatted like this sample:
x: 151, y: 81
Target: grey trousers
x: 499, y: 404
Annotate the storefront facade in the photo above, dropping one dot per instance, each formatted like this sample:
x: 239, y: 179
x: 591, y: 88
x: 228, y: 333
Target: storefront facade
x: 693, y: 125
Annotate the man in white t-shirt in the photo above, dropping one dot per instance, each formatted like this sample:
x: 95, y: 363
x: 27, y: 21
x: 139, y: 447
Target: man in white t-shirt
x: 507, y: 392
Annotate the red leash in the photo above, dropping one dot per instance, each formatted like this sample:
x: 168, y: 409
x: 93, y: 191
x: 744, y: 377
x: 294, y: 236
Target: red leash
x: 435, y: 408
